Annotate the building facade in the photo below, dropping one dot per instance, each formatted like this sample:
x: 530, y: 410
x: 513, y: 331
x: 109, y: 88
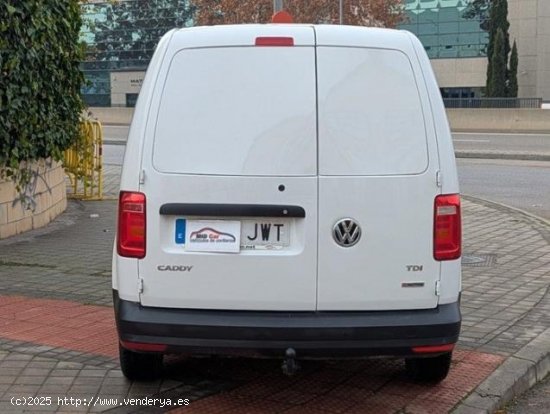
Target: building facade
x: 530, y: 26
x: 121, y: 37
x: 457, y: 45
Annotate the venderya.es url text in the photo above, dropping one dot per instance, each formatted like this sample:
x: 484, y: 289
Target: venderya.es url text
x: 98, y: 402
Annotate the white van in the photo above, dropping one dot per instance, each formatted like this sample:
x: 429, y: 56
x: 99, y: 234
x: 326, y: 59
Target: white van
x: 289, y: 191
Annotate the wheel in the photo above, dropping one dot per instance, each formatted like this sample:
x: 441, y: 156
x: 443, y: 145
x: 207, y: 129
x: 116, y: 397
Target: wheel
x: 430, y: 369
x: 139, y: 366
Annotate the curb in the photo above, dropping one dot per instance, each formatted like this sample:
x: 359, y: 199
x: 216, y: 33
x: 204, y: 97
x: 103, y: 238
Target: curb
x: 520, y: 371
x: 507, y: 207
x: 503, y: 155
x: 501, y: 131
x: 515, y: 376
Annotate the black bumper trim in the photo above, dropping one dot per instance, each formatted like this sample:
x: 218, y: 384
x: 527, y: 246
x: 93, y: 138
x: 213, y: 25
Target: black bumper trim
x: 315, y: 333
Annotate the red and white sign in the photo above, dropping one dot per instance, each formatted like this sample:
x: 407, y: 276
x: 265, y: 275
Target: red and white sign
x: 213, y: 236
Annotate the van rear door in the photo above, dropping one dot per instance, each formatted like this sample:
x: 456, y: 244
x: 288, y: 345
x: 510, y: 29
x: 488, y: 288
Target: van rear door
x: 377, y: 182
x: 231, y: 174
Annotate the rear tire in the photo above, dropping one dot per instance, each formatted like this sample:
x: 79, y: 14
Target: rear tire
x: 140, y: 366
x: 430, y: 369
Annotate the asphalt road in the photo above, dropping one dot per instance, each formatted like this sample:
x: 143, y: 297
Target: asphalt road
x: 113, y: 154
x: 532, y: 143
x: 520, y: 184
x: 115, y: 132
x: 534, y: 401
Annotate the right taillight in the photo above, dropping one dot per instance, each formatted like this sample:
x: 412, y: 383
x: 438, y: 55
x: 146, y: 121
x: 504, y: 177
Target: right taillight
x: 131, y: 225
x: 447, y: 227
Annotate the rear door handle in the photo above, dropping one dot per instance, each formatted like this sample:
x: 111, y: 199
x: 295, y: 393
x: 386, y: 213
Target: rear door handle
x: 232, y: 210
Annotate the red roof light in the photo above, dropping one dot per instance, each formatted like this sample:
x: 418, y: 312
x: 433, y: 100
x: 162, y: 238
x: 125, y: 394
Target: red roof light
x: 282, y: 17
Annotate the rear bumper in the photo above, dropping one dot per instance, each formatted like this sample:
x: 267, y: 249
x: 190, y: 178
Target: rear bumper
x: 311, y: 334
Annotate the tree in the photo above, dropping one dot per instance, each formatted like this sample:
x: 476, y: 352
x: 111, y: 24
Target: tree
x: 479, y: 9
x: 132, y: 29
x: 498, y: 19
x: 497, y: 87
x: 40, y: 102
x: 513, y: 73
x: 383, y: 13
x: 498, y: 56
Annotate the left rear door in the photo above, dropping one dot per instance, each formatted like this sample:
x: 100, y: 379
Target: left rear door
x: 234, y: 151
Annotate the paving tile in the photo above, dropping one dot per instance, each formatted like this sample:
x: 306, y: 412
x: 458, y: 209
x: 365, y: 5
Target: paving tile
x: 330, y: 404
x: 7, y: 379
x: 23, y: 390
x: 291, y: 397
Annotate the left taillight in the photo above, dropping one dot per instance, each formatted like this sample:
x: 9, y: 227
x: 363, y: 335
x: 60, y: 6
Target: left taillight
x: 131, y: 225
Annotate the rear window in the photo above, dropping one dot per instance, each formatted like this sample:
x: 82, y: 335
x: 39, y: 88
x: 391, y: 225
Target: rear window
x: 370, y: 114
x: 238, y: 111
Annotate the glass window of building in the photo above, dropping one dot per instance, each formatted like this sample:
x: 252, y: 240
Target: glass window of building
x: 444, y: 30
x: 122, y: 36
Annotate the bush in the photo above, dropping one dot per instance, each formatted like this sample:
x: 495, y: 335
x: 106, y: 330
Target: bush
x: 40, y: 81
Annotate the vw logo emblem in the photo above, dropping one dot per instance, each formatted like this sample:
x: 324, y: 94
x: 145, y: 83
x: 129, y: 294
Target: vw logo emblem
x: 346, y: 232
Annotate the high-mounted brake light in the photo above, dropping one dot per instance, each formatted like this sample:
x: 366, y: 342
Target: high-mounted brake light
x: 274, y: 41
x: 447, y: 227
x: 131, y: 225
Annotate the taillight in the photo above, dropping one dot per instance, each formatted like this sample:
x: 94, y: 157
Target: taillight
x: 131, y: 225
x: 447, y: 227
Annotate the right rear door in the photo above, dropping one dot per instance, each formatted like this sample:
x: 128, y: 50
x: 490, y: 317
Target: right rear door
x: 375, y: 170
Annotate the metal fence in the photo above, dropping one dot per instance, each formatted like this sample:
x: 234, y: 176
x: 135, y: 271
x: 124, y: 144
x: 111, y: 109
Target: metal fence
x: 492, y: 102
x: 84, y: 163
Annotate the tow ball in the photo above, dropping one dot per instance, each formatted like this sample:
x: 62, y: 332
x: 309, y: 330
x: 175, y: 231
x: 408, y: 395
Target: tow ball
x: 290, y: 366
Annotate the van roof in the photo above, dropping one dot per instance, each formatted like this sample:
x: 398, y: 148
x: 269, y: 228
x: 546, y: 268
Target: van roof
x: 303, y: 35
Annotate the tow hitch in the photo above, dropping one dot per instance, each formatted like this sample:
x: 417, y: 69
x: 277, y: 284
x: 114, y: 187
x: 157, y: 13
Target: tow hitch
x: 290, y: 366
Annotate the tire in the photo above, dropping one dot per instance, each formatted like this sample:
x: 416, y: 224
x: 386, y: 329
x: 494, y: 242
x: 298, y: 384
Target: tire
x: 430, y: 369
x: 138, y: 366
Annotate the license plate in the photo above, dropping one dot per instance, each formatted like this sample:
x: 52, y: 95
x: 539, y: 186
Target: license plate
x: 231, y: 236
x: 264, y: 234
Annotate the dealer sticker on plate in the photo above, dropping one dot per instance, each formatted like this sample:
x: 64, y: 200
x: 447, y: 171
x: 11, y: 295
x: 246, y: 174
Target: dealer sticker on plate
x: 213, y: 236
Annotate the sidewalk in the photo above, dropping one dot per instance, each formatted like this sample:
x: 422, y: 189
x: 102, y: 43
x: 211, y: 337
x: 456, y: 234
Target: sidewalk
x: 57, y: 334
